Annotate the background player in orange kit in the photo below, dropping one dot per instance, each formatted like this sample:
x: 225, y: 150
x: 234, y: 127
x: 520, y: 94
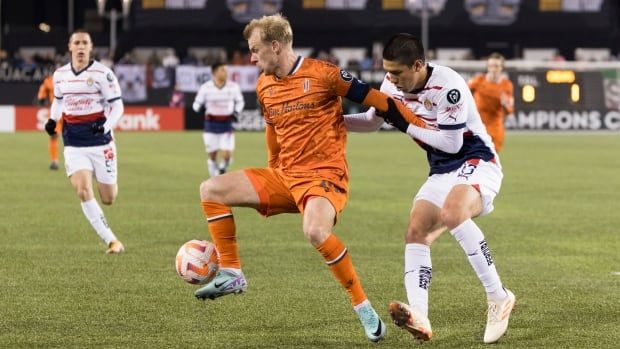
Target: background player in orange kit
x: 307, y: 171
x: 493, y: 93
x: 45, y: 97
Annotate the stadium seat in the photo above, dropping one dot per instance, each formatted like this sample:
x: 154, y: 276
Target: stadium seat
x: 142, y: 54
x: 453, y: 53
x: 592, y: 54
x: 345, y: 55
x: 540, y: 54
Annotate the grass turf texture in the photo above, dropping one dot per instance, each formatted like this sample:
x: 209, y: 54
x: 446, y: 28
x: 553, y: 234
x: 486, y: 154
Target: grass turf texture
x: 554, y: 236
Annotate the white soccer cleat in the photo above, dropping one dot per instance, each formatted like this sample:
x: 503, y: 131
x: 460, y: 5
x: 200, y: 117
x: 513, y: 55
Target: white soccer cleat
x: 115, y: 247
x: 410, y: 319
x: 497, y: 318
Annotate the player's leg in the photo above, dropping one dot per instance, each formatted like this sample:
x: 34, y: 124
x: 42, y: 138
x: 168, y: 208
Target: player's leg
x: 218, y: 195
x: 53, y: 151
x: 227, y: 147
x: 498, y: 139
x: 105, y: 164
x: 211, y: 141
x: 472, y: 197
x: 318, y: 220
x: 53, y: 146
x: 424, y: 227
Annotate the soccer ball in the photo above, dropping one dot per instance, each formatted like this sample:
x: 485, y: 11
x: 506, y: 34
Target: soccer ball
x: 198, y: 261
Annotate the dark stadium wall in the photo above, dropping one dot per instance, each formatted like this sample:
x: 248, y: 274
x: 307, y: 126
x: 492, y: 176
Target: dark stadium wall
x: 214, y: 26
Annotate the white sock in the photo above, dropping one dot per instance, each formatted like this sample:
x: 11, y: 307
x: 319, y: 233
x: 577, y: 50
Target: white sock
x: 213, y: 170
x: 223, y: 165
x: 472, y: 241
x: 418, y: 274
x: 95, y: 217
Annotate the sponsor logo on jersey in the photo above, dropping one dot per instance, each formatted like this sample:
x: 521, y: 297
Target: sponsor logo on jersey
x: 453, y: 96
x: 345, y: 75
x: 428, y: 104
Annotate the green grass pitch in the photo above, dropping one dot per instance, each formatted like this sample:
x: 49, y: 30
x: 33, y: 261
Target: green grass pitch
x: 554, y: 236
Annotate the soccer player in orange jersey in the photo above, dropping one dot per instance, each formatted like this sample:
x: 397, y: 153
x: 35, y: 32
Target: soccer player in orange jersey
x: 45, y: 97
x: 307, y: 171
x: 493, y: 93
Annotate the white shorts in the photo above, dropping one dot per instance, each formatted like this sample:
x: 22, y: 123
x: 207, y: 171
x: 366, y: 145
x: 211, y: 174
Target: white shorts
x: 486, y: 177
x: 100, y: 159
x: 218, y: 141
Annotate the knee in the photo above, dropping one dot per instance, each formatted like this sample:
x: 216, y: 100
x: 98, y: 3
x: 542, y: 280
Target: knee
x: 315, y: 234
x: 208, y: 191
x: 84, y: 193
x: 418, y: 235
x: 452, y: 216
x: 108, y: 200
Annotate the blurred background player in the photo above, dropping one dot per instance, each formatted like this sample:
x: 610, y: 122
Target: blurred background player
x: 88, y: 97
x: 45, y: 97
x: 221, y: 100
x: 307, y: 171
x: 493, y: 93
x: 465, y: 176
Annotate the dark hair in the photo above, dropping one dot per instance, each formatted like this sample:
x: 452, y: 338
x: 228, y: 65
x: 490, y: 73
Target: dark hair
x: 78, y: 31
x: 404, y: 48
x: 216, y: 65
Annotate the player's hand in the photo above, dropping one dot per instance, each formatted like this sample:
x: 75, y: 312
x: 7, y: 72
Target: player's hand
x: 50, y: 127
x: 97, y: 128
x: 235, y: 117
x: 394, y: 117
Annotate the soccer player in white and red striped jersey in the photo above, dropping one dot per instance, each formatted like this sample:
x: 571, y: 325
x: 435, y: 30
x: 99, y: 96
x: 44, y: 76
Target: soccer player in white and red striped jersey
x: 221, y: 101
x: 88, y: 98
x: 465, y: 176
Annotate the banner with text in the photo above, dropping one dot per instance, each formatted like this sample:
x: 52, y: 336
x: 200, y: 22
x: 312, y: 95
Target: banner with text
x: 135, y: 118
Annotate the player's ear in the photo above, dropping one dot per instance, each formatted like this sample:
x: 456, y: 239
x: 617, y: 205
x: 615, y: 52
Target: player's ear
x: 275, y: 46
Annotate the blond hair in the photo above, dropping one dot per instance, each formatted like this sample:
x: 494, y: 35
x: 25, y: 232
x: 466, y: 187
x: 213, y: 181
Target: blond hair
x: 275, y: 27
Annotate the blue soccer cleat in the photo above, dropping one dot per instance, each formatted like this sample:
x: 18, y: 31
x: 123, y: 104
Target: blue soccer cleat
x: 373, y: 325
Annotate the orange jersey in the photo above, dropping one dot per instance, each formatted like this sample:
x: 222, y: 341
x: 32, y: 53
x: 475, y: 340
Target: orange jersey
x: 46, y: 90
x: 304, y: 110
x: 488, y: 96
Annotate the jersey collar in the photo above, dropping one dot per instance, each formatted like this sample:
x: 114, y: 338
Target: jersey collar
x: 429, y: 72
x: 76, y: 73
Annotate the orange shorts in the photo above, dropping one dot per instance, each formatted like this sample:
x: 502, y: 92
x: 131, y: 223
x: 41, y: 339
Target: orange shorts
x: 279, y: 193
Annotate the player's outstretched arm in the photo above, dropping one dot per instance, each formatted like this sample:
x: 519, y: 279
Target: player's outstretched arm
x: 363, y: 122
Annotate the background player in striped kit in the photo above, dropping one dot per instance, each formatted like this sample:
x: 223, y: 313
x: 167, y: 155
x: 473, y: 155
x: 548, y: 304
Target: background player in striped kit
x: 221, y: 100
x: 88, y: 98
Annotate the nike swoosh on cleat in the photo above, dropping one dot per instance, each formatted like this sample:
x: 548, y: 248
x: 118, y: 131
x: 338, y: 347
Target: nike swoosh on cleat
x: 378, y: 331
x: 219, y: 285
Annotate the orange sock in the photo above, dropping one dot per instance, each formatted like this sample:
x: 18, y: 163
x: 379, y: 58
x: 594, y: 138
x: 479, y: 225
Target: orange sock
x: 223, y: 232
x: 338, y: 260
x: 53, y: 149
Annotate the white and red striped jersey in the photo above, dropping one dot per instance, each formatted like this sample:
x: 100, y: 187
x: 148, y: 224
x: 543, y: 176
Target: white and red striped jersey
x: 220, y: 103
x: 84, y: 96
x: 445, y: 102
